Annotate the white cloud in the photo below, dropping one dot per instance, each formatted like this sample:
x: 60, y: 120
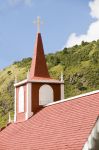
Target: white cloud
x: 94, y: 5
x: 93, y: 30
x: 18, y: 2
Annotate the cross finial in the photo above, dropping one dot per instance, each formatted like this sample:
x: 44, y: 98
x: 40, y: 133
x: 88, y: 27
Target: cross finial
x: 28, y: 74
x: 38, y: 22
x: 15, y: 79
x: 9, y: 118
x: 62, y: 78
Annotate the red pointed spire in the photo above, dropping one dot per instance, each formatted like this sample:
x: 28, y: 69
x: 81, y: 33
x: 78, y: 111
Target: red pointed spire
x: 38, y: 66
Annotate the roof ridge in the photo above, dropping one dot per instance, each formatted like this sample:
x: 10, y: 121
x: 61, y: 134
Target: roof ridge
x: 73, y: 98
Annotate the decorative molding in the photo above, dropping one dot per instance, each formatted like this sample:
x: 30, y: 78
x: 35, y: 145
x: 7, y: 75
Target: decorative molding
x: 15, y: 106
x: 38, y: 81
x: 62, y: 91
x: 21, y: 99
x: 29, y: 112
x: 21, y: 83
x: 9, y: 118
x: 28, y: 75
x: 27, y: 116
x: 73, y: 98
x: 62, y: 77
x: 15, y: 80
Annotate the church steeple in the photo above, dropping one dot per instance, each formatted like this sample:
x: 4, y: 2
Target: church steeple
x: 32, y: 94
x: 38, y: 66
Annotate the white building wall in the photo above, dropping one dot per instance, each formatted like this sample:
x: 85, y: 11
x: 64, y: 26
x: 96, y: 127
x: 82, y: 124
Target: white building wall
x: 93, y: 139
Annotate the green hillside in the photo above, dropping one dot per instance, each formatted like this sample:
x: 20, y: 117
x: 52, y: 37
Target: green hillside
x: 79, y: 64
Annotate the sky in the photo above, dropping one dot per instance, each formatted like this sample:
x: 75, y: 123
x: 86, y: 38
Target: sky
x: 65, y: 23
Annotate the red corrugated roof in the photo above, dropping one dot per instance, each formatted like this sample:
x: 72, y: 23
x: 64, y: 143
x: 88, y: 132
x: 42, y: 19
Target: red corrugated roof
x: 62, y: 126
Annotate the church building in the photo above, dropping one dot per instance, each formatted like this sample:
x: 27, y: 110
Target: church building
x: 43, y: 119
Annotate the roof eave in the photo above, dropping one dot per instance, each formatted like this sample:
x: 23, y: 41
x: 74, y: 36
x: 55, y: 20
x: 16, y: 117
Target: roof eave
x: 38, y: 81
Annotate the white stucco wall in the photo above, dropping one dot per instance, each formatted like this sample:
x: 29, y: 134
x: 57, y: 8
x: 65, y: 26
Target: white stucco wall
x: 93, y: 140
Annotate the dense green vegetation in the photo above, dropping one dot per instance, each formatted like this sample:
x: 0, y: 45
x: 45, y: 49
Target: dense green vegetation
x: 79, y: 64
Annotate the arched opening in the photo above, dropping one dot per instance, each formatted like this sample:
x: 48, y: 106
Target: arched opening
x: 21, y: 100
x: 46, y: 95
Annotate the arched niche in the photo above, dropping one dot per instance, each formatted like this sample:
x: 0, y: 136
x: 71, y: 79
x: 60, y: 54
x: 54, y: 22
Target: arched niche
x: 21, y: 100
x: 46, y: 94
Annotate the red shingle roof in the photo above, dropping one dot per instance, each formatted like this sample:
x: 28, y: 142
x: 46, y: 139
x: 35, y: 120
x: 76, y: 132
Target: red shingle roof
x: 62, y: 126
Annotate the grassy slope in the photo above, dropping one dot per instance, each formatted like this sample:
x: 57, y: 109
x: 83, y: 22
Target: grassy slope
x: 80, y: 65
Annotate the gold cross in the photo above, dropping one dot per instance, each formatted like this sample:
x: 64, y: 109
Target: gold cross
x: 38, y: 22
